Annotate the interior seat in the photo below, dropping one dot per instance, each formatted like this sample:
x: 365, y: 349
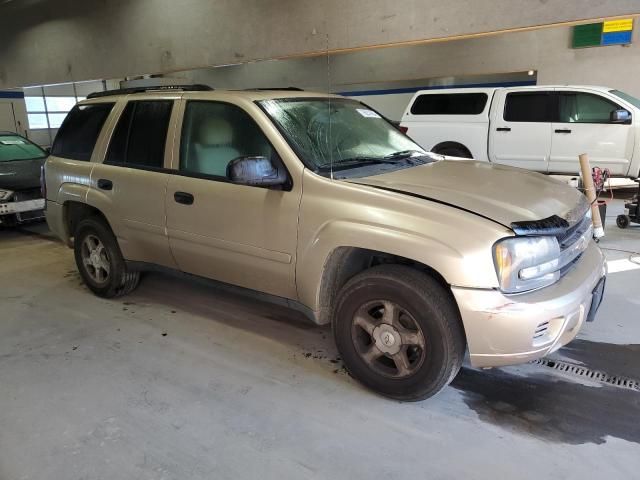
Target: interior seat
x: 214, y: 148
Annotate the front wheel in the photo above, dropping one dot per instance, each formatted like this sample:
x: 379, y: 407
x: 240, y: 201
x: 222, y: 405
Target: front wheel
x: 99, y: 260
x: 399, y: 332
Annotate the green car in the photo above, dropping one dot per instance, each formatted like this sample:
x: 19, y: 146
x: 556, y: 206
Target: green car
x: 20, y: 194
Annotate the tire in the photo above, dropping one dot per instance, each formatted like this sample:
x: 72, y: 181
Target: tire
x: 428, y: 316
x: 454, y: 152
x: 622, y: 221
x: 111, y: 278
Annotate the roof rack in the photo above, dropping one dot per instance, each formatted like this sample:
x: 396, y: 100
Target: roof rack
x: 291, y: 89
x: 156, y: 88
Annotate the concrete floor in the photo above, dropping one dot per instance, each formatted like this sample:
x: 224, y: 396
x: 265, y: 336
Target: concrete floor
x: 183, y: 381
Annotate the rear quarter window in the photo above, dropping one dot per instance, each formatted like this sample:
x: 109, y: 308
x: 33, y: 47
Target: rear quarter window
x: 79, y: 132
x: 450, y: 104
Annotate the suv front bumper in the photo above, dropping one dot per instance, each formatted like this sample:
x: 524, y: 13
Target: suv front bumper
x: 510, y: 329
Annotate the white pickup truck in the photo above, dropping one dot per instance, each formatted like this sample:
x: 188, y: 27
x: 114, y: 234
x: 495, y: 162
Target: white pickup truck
x: 542, y: 128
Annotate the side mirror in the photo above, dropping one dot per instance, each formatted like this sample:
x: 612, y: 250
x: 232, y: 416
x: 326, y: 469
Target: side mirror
x: 620, y: 116
x: 255, y: 171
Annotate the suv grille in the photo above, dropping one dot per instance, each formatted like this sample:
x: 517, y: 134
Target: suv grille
x: 573, y: 242
x: 574, y: 232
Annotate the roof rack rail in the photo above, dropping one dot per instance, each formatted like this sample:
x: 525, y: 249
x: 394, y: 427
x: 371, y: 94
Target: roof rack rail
x: 292, y: 89
x: 155, y: 88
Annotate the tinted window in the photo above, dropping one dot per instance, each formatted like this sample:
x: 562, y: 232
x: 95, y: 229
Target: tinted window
x: 215, y: 133
x: 450, y: 104
x: 79, y: 132
x: 585, y: 108
x: 140, y: 136
x: 528, y: 107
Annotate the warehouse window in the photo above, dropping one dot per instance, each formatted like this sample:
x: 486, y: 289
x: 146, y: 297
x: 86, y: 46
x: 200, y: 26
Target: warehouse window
x: 529, y: 107
x: 450, y: 104
x: 48, y: 105
x: 79, y: 132
x: 47, y: 111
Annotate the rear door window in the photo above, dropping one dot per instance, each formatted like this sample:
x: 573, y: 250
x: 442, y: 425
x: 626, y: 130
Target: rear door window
x: 140, y: 136
x: 79, y: 132
x: 529, y: 107
x: 450, y: 104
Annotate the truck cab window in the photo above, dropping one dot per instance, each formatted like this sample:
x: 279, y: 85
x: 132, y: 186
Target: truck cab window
x: 528, y: 107
x: 578, y: 107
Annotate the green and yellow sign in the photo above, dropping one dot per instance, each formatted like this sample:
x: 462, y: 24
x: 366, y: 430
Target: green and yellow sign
x: 610, y: 32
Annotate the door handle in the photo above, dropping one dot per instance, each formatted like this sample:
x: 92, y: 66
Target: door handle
x: 563, y: 130
x: 503, y: 129
x: 183, y: 197
x: 105, y: 184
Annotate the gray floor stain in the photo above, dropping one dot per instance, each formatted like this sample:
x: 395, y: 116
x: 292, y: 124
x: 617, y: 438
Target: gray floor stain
x: 551, y: 408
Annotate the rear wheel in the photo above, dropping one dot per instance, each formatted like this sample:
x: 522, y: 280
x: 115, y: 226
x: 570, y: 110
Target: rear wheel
x: 399, y: 332
x: 453, y: 151
x: 100, y: 261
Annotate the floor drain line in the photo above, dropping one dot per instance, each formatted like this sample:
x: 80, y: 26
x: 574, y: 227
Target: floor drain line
x: 566, y: 367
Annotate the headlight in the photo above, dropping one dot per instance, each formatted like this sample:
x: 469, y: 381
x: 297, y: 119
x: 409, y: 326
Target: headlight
x: 526, y: 263
x: 5, y: 194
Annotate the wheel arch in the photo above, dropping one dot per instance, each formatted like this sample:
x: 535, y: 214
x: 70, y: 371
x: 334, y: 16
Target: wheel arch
x: 449, y: 145
x: 74, y: 212
x: 343, y: 263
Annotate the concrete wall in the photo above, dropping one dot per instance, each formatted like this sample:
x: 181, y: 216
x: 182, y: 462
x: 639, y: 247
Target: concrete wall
x: 45, y: 41
x: 546, y: 51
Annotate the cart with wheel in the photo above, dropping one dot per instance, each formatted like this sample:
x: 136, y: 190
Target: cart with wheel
x: 632, y: 212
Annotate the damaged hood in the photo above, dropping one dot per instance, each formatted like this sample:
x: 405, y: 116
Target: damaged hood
x: 501, y: 193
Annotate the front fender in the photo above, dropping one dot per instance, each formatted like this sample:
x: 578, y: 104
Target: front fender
x: 457, y: 266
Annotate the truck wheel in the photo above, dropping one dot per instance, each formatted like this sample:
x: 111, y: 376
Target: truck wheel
x: 100, y: 261
x: 622, y: 221
x: 399, y: 332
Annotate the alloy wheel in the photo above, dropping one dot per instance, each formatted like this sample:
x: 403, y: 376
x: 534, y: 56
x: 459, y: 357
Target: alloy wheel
x: 388, y: 339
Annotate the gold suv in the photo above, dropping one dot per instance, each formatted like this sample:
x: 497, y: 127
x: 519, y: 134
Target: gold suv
x: 321, y: 203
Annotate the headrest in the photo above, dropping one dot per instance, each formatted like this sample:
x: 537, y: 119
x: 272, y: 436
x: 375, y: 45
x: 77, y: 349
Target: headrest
x: 215, y: 131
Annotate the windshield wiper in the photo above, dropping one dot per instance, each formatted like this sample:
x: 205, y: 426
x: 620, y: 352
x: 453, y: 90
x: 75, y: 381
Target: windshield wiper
x: 403, y: 154
x: 355, y: 162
